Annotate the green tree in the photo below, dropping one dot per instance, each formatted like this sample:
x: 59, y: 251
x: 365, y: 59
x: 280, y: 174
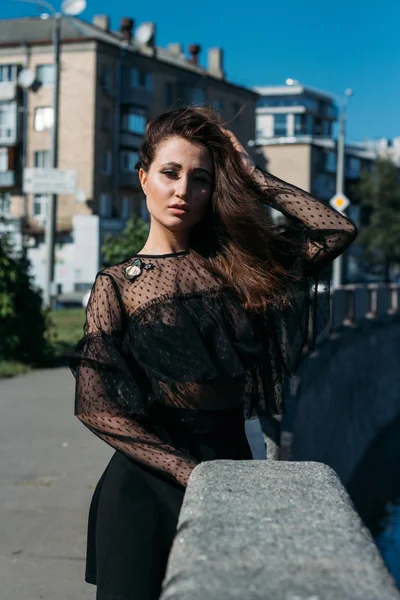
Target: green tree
x: 380, y: 197
x: 23, y: 323
x: 117, y: 248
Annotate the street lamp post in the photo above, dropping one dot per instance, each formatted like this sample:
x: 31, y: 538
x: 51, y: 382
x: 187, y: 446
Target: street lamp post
x: 337, y: 274
x: 69, y: 8
x: 51, y: 221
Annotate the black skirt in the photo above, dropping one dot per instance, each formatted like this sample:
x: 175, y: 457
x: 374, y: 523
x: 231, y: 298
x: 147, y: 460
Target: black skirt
x: 134, y: 510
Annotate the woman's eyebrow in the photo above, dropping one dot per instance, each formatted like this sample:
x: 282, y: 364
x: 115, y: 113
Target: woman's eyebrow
x: 178, y: 166
x: 172, y: 164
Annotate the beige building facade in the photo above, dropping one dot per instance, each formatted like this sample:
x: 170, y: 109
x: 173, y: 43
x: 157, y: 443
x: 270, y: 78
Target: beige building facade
x: 111, y: 84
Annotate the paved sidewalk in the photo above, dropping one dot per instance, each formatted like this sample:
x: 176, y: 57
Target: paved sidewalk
x: 49, y: 466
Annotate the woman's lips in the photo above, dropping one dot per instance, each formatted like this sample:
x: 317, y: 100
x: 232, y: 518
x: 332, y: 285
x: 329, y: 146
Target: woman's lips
x: 178, y: 210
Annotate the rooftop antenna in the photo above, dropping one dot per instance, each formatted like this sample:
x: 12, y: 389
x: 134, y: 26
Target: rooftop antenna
x: 73, y: 8
x: 26, y: 78
x: 144, y: 33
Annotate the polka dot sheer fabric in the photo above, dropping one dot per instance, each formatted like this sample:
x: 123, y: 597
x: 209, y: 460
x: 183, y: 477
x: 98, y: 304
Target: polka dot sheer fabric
x: 175, y: 343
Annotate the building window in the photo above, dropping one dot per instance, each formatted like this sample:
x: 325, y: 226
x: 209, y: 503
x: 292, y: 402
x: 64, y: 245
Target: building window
x: 198, y: 96
x: 40, y: 206
x: 353, y: 167
x: 41, y: 159
x: 300, y: 127
x: 130, y: 77
x: 105, y: 119
x: 218, y: 105
x: 280, y: 125
x: 134, y: 204
x: 318, y: 129
x: 105, y: 208
x: 169, y: 93
x: 115, y: 208
x: 134, y: 121
x: 3, y: 160
x: 309, y: 102
x: 106, y: 162
x: 45, y: 74
x: 134, y: 78
x: 128, y: 160
x: 7, y: 120
x: 126, y: 207
x: 5, y: 204
x: 140, y: 208
x: 44, y: 118
x: 106, y: 78
x: 8, y: 73
x: 145, y: 80
x: 330, y: 164
x: 273, y: 101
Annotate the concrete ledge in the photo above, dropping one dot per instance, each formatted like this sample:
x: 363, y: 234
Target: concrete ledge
x: 273, y: 531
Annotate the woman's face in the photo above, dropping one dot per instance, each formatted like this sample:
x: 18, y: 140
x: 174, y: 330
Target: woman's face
x: 179, y: 183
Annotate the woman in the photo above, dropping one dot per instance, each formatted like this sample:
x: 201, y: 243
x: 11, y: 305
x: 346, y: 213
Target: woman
x: 192, y: 333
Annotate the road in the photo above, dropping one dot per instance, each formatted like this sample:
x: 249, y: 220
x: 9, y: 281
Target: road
x: 50, y: 464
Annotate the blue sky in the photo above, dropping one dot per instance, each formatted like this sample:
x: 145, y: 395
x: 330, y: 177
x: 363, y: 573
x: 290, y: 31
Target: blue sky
x: 329, y: 45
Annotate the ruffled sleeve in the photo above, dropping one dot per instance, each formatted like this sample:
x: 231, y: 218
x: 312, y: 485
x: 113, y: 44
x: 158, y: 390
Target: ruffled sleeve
x: 111, y: 396
x: 320, y: 234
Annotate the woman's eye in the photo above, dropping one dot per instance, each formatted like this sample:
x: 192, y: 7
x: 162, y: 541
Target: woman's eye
x: 201, y: 179
x: 171, y: 174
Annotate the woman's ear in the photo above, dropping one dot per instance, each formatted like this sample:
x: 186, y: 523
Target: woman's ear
x: 143, y: 179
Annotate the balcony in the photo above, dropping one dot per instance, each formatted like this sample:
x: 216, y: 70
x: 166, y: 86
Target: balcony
x: 7, y: 179
x: 8, y: 123
x: 8, y: 90
x: 136, y: 95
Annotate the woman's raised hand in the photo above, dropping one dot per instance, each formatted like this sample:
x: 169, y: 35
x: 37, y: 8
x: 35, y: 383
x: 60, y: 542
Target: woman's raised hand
x: 244, y: 157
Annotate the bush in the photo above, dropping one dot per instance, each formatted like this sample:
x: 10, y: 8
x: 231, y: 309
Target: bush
x: 118, y: 248
x: 23, y: 323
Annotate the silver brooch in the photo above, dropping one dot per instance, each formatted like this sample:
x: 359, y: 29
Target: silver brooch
x: 136, y: 268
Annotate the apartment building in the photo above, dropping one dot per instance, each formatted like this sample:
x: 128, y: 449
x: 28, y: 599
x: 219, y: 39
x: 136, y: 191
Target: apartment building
x: 295, y: 141
x: 111, y: 84
x: 295, y: 137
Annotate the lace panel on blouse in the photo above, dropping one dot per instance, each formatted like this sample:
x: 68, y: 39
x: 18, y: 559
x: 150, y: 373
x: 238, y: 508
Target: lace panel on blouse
x: 143, y: 336
x: 105, y: 386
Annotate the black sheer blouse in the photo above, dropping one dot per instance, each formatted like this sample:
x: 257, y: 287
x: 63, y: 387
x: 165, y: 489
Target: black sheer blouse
x: 176, y: 337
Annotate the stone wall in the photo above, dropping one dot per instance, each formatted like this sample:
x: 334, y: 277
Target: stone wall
x: 349, y: 392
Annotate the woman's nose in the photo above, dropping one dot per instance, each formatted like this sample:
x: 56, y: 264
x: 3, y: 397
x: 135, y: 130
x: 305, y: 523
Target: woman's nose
x: 182, y: 188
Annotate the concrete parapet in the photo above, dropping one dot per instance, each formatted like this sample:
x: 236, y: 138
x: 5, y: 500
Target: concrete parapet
x: 260, y: 530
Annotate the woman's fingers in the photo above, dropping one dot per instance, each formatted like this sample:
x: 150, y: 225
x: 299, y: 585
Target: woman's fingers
x: 244, y: 157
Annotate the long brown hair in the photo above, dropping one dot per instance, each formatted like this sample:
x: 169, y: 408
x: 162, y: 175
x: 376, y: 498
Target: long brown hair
x: 236, y: 239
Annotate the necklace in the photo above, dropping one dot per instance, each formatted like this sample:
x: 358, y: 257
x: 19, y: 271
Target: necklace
x: 144, y: 250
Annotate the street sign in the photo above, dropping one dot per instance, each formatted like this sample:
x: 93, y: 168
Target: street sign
x: 340, y: 202
x: 49, y: 181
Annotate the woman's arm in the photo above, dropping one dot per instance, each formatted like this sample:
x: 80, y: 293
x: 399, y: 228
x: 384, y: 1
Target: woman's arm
x: 108, y: 399
x: 138, y: 442
x: 328, y: 232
